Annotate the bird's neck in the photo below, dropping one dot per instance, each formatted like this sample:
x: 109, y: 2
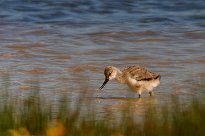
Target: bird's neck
x: 119, y: 76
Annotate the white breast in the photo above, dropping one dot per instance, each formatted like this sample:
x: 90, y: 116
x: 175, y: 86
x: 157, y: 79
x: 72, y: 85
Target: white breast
x: 131, y: 81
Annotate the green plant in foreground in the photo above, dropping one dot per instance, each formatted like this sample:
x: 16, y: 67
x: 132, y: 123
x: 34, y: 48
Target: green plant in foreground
x: 175, y: 120
x: 32, y: 118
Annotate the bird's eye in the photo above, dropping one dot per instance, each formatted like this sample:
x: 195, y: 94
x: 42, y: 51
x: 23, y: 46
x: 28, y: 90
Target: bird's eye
x: 110, y: 73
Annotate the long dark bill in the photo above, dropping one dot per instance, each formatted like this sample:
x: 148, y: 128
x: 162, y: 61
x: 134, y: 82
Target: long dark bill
x: 104, y: 83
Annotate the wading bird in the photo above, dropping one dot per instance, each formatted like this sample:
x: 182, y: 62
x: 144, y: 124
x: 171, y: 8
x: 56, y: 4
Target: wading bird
x: 137, y: 78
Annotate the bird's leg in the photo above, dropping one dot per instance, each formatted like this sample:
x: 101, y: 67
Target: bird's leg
x: 138, y: 89
x: 150, y: 93
x: 139, y: 94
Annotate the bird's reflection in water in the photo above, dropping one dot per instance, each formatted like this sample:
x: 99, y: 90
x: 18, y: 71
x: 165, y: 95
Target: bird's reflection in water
x: 137, y: 106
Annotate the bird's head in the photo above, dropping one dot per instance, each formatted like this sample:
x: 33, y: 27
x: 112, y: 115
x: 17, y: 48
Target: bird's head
x: 110, y: 73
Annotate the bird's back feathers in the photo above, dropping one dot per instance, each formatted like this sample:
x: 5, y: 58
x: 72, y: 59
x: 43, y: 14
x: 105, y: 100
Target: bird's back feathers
x: 140, y: 73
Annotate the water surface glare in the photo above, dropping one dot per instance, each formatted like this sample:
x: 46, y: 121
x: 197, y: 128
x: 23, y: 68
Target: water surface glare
x: 65, y: 45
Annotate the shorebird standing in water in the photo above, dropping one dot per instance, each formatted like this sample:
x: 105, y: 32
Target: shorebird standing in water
x: 137, y: 78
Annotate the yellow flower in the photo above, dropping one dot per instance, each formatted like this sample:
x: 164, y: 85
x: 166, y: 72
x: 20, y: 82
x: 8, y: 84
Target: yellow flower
x: 19, y: 132
x: 58, y: 130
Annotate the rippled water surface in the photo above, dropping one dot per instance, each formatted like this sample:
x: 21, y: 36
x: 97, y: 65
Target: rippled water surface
x: 65, y: 45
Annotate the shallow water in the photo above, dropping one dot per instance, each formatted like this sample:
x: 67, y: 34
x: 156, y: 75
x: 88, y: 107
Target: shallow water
x: 64, y: 46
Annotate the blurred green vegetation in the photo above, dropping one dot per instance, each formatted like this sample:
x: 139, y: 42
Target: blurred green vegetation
x: 33, y: 119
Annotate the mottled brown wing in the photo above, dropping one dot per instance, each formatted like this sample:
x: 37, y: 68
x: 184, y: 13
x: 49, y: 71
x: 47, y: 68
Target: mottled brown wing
x: 140, y: 73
